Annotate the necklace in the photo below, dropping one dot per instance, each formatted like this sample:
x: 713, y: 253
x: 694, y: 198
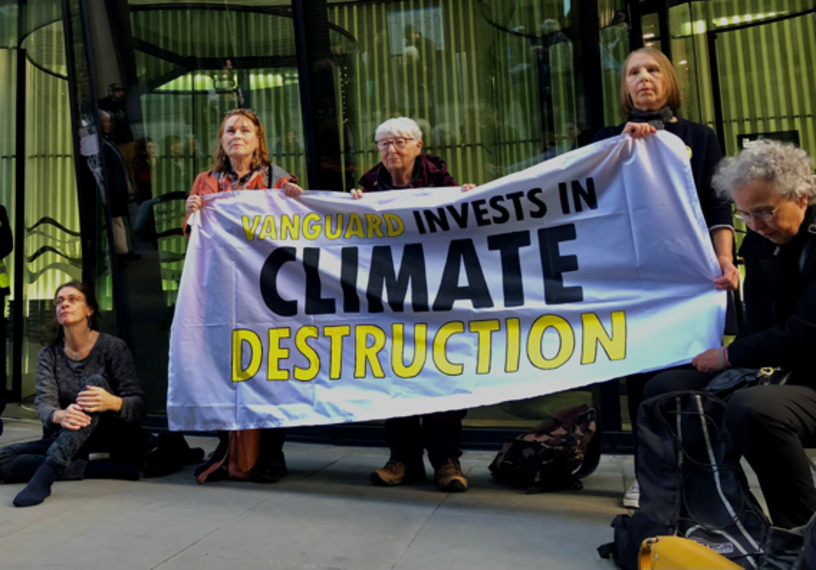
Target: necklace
x: 74, y: 354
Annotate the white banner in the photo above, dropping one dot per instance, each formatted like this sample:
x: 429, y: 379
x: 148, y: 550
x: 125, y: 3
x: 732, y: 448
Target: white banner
x: 324, y: 309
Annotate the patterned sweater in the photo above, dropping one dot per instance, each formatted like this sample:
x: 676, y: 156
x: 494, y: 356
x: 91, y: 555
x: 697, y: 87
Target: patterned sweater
x: 58, y: 386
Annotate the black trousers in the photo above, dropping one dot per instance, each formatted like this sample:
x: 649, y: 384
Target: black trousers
x: 770, y: 426
x: 68, y: 449
x: 439, y: 433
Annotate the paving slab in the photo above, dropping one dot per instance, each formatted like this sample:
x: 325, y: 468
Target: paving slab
x: 324, y: 516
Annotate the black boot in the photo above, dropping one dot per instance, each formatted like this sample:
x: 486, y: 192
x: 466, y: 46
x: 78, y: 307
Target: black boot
x: 170, y: 455
x: 269, y: 469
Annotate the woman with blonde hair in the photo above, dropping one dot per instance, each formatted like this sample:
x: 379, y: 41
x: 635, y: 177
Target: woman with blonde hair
x: 649, y: 99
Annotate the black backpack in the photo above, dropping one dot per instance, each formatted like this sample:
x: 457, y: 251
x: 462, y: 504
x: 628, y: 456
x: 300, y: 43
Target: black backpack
x: 691, y: 483
x: 553, y: 455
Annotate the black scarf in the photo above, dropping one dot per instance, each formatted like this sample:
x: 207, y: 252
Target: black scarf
x: 657, y: 119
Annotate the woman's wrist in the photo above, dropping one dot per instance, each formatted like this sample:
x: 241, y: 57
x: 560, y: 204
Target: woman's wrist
x: 116, y: 404
x: 722, y: 359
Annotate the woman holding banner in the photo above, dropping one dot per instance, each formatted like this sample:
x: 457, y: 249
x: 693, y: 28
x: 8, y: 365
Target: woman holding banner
x: 774, y: 189
x: 649, y: 98
x: 402, y: 166
x: 241, y: 162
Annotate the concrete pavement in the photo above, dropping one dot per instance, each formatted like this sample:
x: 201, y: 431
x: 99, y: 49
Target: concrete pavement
x: 324, y: 516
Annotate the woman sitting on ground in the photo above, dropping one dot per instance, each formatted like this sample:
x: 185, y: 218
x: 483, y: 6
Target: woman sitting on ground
x: 774, y: 189
x: 90, y: 403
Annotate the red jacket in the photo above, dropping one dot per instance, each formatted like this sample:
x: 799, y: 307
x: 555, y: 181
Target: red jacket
x: 207, y: 183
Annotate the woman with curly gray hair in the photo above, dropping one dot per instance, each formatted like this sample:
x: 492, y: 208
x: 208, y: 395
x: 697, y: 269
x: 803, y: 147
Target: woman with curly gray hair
x: 774, y: 190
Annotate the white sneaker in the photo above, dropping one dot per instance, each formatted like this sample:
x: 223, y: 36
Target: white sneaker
x: 631, y: 498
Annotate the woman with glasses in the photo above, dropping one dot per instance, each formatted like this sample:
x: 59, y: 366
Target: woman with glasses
x: 649, y: 99
x: 774, y: 189
x: 241, y: 162
x: 402, y: 167
x: 401, y: 163
x: 90, y: 403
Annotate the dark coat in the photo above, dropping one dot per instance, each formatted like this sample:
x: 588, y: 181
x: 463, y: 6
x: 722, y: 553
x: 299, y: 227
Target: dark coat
x: 780, y: 303
x: 429, y: 172
x: 116, y: 179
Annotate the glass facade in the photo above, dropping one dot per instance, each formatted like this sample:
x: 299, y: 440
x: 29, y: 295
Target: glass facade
x: 496, y: 87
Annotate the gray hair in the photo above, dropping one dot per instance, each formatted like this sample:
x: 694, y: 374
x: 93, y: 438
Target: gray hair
x: 399, y: 127
x: 786, y: 168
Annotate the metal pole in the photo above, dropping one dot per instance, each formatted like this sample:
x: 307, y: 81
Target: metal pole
x: 18, y: 314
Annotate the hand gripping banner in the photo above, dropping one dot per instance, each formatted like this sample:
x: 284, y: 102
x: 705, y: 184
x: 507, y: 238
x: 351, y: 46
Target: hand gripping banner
x: 324, y: 309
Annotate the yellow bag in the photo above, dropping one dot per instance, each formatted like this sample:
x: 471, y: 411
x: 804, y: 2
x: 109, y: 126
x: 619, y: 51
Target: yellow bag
x: 663, y: 552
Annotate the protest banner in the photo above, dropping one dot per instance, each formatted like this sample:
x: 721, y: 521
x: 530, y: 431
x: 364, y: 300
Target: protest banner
x: 324, y: 309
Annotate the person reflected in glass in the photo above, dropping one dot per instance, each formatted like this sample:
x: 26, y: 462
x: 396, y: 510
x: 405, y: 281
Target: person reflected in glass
x: 144, y: 163
x: 650, y: 98
x: 120, y: 189
x: 89, y: 401
x: 542, y: 47
x: 225, y: 93
x: 192, y: 151
x: 116, y: 105
x: 288, y: 145
x: 241, y: 162
x: 174, y: 168
x: 403, y: 166
x: 420, y: 61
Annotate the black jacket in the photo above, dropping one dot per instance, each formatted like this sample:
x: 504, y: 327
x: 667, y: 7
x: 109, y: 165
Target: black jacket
x: 780, y: 302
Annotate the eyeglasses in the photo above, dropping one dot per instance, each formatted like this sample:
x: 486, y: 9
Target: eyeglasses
x: 399, y: 144
x: 762, y: 216
x: 70, y: 299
